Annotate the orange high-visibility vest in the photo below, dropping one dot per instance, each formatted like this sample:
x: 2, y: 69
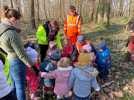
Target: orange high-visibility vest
x: 72, y: 26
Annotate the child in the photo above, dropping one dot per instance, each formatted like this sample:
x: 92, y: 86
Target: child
x: 50, y: 64
x: 103, y: 60
x: 129, y: 55
x: 131, y: 48
x: 83, y: 78
x: 84, y: 45
x: 61, y: 76
x: 130, y: 43
x: 69, y: 51
x: 32, y: 78
x: 53, y: 50
x: 131, y: 26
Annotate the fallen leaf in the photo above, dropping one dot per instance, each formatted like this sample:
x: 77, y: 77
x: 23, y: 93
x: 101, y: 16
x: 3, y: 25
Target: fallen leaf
x: 118, y: 94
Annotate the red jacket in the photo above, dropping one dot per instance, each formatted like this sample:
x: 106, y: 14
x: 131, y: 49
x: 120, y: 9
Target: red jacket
x: 131, y: 46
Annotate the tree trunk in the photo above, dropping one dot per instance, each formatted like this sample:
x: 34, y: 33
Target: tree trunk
x: 11, y: 3
x: 33, y: 24
x: 108, y: 12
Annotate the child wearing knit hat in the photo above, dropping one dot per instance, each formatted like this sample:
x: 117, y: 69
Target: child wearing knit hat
x: 103, y: 60
x: 53, y: 51
x: 50, y: 64
x: 84, y: 45
x: 31, y: 77
x: 83, y: 77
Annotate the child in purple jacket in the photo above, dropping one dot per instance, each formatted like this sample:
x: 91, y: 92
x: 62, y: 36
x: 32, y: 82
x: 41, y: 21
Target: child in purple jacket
x: 61, y: 76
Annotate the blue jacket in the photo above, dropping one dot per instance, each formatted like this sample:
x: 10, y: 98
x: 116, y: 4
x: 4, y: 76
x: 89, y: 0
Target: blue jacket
x: 81, y: 82
x: 104, y: 58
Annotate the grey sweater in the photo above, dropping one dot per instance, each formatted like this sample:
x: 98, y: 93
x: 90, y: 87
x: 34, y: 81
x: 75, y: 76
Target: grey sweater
x: 11, y: 43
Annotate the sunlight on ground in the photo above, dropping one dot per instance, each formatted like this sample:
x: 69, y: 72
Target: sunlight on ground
x: 122, y: 73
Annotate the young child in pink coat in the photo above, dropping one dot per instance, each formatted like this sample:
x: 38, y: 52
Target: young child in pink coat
x: 61, y: 76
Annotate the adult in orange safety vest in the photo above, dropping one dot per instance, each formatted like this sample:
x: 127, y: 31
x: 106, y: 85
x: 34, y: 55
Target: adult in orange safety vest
x: 72, y: 25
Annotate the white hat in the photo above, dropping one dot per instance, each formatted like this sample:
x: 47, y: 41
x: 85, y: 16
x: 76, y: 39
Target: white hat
x: 87, y: 48
x: 32, y: 54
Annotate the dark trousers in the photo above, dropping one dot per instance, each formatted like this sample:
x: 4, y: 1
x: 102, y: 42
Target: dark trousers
x: 43, y: 51
x: 10, y: 96
x: 103, y: 72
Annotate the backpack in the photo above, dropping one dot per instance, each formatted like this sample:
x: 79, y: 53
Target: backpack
x: 3, y: 57
x: 103, y: 58
x: 6, y: 66
x: 44, y: 64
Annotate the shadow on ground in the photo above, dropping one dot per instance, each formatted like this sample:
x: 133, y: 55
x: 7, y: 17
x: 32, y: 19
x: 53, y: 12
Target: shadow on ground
x: 102, y: 31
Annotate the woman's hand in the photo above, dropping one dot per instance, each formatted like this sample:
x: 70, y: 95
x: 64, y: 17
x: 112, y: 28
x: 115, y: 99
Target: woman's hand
x: 28, y: 65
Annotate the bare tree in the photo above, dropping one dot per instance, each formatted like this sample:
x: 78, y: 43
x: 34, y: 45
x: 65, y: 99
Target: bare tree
x: 32, y: 15
x: 91, y: 10
x: 11, y: 3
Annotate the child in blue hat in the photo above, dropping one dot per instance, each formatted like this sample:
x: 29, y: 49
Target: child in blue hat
x: 50, y: 64
x: 103, y: 60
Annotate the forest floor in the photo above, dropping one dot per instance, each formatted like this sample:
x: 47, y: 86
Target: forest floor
x: 121, y: 73
x: 121, y: 78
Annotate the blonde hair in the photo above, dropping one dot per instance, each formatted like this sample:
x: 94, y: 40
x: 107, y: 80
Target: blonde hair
x: 85, y: 59
x: 64, y: 62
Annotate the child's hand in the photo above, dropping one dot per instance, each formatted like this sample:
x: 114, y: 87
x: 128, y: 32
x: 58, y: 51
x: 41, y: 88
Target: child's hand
x: 70, y: 93
x: 42, y: 74
x: 94, y: 73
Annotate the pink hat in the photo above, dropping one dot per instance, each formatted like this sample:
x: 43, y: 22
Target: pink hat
x: 87, y: 48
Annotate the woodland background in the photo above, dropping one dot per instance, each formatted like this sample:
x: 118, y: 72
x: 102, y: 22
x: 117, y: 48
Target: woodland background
x: 101, y: 18
x: 100, y: 11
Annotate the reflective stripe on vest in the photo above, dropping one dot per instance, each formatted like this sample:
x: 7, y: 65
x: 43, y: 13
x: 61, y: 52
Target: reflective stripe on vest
x: 77, y: 20
x: 70, y: 24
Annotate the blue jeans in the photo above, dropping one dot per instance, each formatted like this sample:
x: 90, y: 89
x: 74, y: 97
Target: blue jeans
x: 18, y: 74
x: 80, y: 98
x: 10, y: 96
